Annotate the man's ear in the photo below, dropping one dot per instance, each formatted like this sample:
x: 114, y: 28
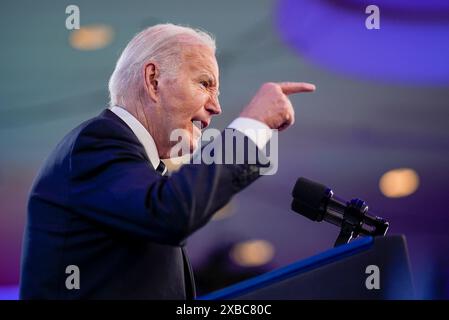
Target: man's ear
x: 151, y: 76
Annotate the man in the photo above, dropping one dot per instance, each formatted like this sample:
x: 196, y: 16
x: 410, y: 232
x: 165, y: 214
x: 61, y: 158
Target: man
x: 104, y: 220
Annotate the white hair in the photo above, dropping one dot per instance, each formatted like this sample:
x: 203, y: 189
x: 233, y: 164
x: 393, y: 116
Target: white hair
x: 161, y: 43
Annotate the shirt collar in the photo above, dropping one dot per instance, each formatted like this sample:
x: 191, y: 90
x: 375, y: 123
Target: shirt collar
x: 141, y: 133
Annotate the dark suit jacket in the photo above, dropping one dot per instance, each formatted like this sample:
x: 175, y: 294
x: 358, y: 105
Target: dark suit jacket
x: 97, y: 203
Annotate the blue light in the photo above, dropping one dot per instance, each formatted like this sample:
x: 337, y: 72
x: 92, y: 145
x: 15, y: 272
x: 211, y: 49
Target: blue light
x: 411, y: 46
x: 9, y: 293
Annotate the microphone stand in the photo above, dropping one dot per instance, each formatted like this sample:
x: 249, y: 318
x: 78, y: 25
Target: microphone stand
x: 357, y: 221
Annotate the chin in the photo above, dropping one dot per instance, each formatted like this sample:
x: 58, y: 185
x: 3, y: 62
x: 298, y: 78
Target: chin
x: 193, y: 144
x: 195, y: 136
x: 190, y: 139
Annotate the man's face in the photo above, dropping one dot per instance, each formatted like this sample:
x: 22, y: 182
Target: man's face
x: 192, y: 96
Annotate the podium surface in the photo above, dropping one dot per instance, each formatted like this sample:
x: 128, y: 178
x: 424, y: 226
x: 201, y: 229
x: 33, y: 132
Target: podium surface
x: 366, y: 268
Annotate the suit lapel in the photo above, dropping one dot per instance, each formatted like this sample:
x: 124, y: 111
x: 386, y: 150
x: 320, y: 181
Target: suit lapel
x: 188, y: 276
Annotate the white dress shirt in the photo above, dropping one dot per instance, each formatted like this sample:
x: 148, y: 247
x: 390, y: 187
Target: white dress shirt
x: 257, y: 131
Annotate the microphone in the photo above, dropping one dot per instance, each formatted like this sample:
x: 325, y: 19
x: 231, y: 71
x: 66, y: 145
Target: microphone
x: 317, y: 202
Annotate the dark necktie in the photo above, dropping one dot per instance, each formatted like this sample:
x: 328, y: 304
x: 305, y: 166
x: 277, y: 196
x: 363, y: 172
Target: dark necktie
x: 162, y: 169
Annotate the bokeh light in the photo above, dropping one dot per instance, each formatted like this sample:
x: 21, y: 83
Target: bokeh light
x: 398, y: 183
x: 252, y: 253
x: 91, y: 37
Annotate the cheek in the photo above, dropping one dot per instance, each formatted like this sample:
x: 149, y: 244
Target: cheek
x: 200, y: 99
x: 193, y: 102
x: 173, y: 93
x: 181, y: 102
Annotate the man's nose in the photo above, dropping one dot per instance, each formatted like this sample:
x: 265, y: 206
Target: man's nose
x: 213, y: 106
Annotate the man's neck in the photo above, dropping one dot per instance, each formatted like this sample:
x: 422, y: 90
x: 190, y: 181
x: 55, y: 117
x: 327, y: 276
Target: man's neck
x: 142, y: 114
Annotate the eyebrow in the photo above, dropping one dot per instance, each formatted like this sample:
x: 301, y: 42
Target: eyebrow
x: 210, y: 77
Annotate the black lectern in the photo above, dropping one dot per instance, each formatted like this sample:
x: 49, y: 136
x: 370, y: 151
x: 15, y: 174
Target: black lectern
x: 367, y: 268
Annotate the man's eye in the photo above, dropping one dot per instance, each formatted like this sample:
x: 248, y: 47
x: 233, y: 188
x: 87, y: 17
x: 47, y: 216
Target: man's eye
x: 205, y: 84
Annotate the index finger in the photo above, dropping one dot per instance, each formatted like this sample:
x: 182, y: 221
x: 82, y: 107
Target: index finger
x: 296, y: 87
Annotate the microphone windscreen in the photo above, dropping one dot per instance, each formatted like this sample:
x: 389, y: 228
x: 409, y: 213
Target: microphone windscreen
x: 308, y: 197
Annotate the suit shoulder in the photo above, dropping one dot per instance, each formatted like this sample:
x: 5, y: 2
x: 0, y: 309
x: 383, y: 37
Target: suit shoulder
x: 107, y: 124
x: 106, y: 137
x: 102, y: 128
x: 106, y: 127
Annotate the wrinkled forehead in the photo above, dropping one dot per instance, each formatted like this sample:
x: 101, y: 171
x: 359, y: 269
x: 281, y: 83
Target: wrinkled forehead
x: 199, y: 58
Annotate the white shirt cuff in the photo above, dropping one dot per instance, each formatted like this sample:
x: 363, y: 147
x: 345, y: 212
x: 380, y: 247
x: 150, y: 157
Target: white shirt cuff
x: 256, y: 130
